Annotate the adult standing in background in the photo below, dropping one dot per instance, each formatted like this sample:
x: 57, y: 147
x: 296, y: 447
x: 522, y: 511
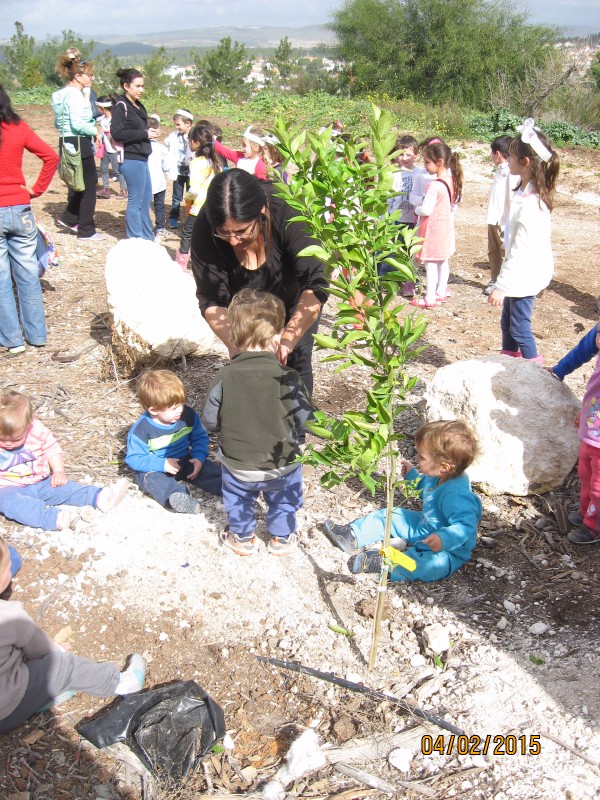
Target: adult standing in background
x: 129, y: 127
x: 18, y: 232
x: 76, y: 128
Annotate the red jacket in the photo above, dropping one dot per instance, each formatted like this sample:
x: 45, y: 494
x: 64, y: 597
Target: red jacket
x: 15, y: 139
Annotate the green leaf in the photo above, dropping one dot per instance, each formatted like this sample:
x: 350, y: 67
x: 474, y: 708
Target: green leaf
x: 315, y: 251
x: 537, y: 661
x: 342, y: 631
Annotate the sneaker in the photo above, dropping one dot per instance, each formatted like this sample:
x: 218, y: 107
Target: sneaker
x: 132, y: 677
x: 365, y: 561
x: 184, y: 503
x: 16, y: 351
x: 408, y: 289
x: 68, y: 227
x: 103, y: 194
x: 341, y: 536
x: 173, y: 224
x: 489, y: 288
x: 575, y: 517
x: 241, y: 545
x: 279, y: 545
x: 67, y: 518
x: 583, y: 535
x: 111, y: 496
x: 95, y: 237
x: 159, y: 234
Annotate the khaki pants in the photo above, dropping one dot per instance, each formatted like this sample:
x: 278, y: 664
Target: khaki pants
x: 495, y: 249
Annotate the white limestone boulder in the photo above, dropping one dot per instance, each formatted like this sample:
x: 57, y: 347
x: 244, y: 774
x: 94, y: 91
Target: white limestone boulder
x: 153, y: 303
x: 523, y: 418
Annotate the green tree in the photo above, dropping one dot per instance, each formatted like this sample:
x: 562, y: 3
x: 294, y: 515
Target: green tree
x: 156, y: 78
x: 355, y: 239
x: 224, y: 69
x: 48, y: 52
x: 283, y: 61
x: 441, y: 50
x: 22, y: 63
x: 595, y: 70
x: 106, y: 65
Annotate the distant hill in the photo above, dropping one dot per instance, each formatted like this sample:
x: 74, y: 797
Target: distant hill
x: 249, y: 35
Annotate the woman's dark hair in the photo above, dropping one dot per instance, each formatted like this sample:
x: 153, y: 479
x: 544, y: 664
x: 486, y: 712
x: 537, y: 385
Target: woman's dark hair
x: 127, y: 75
x: 202, y: 136
x: 8, y: 115
x: 234, y: 194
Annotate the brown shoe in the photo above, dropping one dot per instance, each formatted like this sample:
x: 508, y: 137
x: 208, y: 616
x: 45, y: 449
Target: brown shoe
x: 103, y: 194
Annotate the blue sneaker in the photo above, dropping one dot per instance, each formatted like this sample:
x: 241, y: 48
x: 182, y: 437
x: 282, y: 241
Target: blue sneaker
x: 341, y: 536
x: 57, y: 701
x: 173, y: 224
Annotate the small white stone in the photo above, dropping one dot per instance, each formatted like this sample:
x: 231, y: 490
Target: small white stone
x: 510, y: 607
x: 418, y: 660
x: 502, y: 624
x: 285, y: 644
x: 538, y: 628
x: 436, y: 638
x: 163, y: 637
x: 400, y: 758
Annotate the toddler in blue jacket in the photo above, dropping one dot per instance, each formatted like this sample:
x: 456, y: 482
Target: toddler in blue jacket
x: 168, y: 445
x: 442, y: 536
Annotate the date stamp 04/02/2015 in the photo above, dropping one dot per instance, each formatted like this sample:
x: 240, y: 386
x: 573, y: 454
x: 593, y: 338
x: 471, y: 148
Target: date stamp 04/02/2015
x: 505, y: 745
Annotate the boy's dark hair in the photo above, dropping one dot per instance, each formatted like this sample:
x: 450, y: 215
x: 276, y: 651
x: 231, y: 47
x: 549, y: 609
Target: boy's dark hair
x: 217, y: 132
x: 406, y: 140
x: 255, y: 318
x: 501, y: 145
x: 160, y: 389
x: 450, y: 442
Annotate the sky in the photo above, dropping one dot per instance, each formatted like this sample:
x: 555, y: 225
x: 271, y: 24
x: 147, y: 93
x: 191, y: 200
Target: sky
x: 104, y: 17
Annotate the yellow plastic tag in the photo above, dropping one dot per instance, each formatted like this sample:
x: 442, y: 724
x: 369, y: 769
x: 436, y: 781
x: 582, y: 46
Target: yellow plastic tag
x: 398, y: 558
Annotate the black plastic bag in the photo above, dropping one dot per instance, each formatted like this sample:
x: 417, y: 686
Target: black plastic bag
x: 169, y: 729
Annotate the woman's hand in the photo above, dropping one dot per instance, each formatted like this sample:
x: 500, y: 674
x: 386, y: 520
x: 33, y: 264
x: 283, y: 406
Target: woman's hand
x: 496, y: 298
x: 28, y: 190
x: 283, y: 351
x: 152, y: 134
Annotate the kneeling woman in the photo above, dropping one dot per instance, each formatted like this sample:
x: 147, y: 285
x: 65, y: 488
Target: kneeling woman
x: 244, y: 236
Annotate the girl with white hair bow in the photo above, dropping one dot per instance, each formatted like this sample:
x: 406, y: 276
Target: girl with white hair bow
x: 528, y: 266
x: 250, y: 158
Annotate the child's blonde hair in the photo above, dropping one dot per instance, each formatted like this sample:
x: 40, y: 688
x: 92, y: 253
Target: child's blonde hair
x: 450, y: 442
x: 160, y: 389
x: 4, y: 555
x: 16, y: 413
x: 255, y: 318
x: 255, y: 146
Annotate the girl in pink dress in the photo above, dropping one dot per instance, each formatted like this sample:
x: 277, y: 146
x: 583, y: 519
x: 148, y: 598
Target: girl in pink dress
x: 437, y: 224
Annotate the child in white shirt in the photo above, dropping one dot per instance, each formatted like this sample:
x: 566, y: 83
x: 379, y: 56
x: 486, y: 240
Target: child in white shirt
x: 497, y: 208
x: 160, y: 163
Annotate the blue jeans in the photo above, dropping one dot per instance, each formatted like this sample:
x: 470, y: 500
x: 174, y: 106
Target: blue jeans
x: 15, y: 561
x: 18, y: 263
x: 161, y: 486
x: 33, y: 505
x: 431, y: 566
x: 182, y: 182
x: 138, y: 224
x: 113, y: 160
x: 283, y: 497
x: 515, y: 323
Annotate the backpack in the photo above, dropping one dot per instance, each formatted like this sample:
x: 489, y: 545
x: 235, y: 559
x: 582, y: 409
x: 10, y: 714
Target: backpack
x: 118, y: 147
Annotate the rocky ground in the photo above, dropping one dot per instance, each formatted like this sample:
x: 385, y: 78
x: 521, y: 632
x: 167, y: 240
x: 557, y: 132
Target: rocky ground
x: 518, y: 655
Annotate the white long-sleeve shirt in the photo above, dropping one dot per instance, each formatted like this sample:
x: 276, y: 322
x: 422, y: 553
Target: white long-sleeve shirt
x: 529, y: 264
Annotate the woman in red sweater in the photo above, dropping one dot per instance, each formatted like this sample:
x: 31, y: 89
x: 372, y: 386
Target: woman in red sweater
x: 18, y: 231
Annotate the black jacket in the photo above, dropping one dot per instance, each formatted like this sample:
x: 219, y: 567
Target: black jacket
x: 129, y: 127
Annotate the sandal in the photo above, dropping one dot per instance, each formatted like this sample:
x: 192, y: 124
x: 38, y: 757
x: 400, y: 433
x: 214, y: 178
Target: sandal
x: 420, y: 302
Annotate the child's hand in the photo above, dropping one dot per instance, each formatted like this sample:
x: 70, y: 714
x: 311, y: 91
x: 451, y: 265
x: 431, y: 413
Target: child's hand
x: 172, y: 466
x: 406, y: 466
x: 434, y: 542
x: 58, y: 478
x: 577, y: 419
x: 196, y: 471
x: 496, y: 298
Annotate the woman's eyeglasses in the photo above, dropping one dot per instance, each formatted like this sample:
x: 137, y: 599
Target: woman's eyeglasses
x: 241, y: 236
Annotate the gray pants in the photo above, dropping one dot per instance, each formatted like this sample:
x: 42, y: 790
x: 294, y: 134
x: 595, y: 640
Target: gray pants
x: 58, y: 672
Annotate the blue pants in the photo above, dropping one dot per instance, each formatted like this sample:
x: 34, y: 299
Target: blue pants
x: 138, y: 224
x: 283, y: 497
x: 18, y: 263
x: 161, y: 486
x: 407, y: 525
x: 113, y: 160
x: 515, y: 323
x: 33, y: 505
x: 182, y: 182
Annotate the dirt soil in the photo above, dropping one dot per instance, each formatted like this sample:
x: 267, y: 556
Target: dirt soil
x: 143, y: 579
